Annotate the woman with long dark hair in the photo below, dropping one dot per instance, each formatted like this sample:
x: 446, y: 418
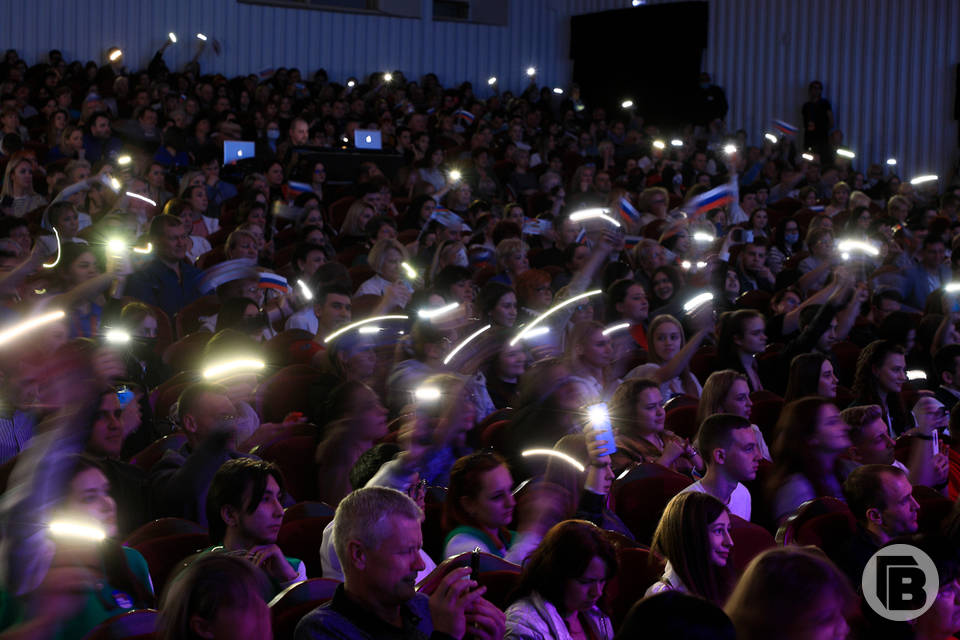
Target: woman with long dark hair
x: 811, y: 374
x: 561, y: 585
x: 811, y: 436
x: 881, y: 373
x: 694, y: 537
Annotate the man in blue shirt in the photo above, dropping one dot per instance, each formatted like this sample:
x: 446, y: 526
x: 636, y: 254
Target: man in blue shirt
x: 168, y: 281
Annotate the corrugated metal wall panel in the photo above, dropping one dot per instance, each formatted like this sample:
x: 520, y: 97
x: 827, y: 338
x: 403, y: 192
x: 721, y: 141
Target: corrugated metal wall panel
x: 256, y: 37
x: 887, y: 66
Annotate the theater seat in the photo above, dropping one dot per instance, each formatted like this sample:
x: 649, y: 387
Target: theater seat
x: 934, y: 508
x: 164, y: 555
x: 295, y: 457
x: 187, y: 320
x: 139, y: 624
x: 293, y: 603
x: 682, y: 421
x: 487, y: 563
x: 825, y: 522
x: 749, y: 540
x: 704, y: 362
x: 640, y: 501
x: 286, y: 391
x: 494, y: 435
x: 639, y: 568
x: 765, y: 414
x: 162, y: 528
x: 500, y: 586
x: 152, y: 453
x: 301, y: 539
x: 291, y: 346
x: 308, y: 509
x: 846, y: 354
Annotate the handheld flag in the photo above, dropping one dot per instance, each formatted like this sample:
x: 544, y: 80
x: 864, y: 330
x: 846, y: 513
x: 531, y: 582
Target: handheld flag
x: 716, y: 197
x: 785, y: 128
x: 627, y: 211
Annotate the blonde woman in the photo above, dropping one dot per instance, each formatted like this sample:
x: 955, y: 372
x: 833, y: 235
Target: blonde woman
x: 385, y: 259
x: 354, y: 222
x: 728, y: 391
x: 18, y: 197
x: 669, y: 358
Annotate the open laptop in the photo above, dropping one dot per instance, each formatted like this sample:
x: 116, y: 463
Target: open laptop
x: 367, y: 139
x: 236, y: 150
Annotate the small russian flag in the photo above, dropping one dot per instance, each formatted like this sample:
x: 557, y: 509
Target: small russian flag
x: 785, y: 128
x: 627, y: 211
x: 465, y: 117
x: 302, y: 187
x: 273, y: 281
x: 716, y: 197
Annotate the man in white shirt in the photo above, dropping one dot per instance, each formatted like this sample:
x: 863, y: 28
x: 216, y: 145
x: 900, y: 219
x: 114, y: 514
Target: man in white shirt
x: 331, y: 310
x: 731, y: 454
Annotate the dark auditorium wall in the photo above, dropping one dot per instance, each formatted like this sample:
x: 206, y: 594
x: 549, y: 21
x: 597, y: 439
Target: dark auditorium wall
x: 887, y: 65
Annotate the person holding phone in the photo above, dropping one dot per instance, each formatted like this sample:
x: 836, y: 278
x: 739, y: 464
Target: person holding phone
x: 561, y: 585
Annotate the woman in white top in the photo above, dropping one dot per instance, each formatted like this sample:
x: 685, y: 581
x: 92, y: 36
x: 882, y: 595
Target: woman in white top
x: 561, y: 583
x: 669, y: 358
x: 385, y: 258
x: 694, y: 536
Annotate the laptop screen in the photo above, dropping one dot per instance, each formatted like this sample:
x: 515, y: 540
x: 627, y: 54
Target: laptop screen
x: 234, y: 150
x: 367, y: 139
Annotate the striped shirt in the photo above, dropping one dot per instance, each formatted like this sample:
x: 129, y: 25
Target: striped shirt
x: 15, y: 433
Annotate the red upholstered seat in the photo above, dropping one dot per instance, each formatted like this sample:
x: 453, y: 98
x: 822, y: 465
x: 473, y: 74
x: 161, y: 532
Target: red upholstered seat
x: 765, y: 414
x: 301, y: 538
x: 161, y: 528
x: 682, y: 421
x: 164, y: 555
x: 308, y: 509
x: 639, y: 568
x: 487, y: 563
x: 749, y: 540
x: 286, y: 391
x: 295, y: 457
x: 139, y: 624
x: 495, y: 435
x: 846, y: 354
x: 640, y: 500
x: 294, y: 602
x: 187, y: 320
x: 826, y: 523
x: 152, y: 453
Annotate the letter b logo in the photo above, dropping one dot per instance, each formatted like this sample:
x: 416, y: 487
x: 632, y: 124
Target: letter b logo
x: 900, y: 582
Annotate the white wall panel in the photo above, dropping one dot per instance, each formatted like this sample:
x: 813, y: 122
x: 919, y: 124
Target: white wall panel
x: 256, y: 37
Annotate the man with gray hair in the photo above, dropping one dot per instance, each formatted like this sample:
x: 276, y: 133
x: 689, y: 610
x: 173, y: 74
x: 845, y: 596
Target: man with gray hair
x: 377, y: 538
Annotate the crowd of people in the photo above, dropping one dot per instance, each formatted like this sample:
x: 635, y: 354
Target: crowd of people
x: 516, y: 311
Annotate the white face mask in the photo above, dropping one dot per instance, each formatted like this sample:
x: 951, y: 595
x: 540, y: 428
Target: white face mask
x: 462, y: 260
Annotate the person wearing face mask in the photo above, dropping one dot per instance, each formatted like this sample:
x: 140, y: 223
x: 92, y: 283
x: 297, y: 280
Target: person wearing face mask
x: 786, y: 242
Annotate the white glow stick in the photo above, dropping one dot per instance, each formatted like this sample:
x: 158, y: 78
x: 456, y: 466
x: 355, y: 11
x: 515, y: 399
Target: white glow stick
x: 615, y: 328
x: 916, y: 374
x: 28, y: 325
x: 696, y: 301
x: 240, y: 364
x: 850, y: 246
x: 846, y: 153
x: 587, y: 214
x: 360, y: 323
x: 554, y: 454
x: 922, y: 179
x: 546, y: 314
x: 457, y: 349
x: 56, y: 234
x: 307, y: 294
x: 429, y: 314
x: 140, y: 197
x: 67, y: 529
